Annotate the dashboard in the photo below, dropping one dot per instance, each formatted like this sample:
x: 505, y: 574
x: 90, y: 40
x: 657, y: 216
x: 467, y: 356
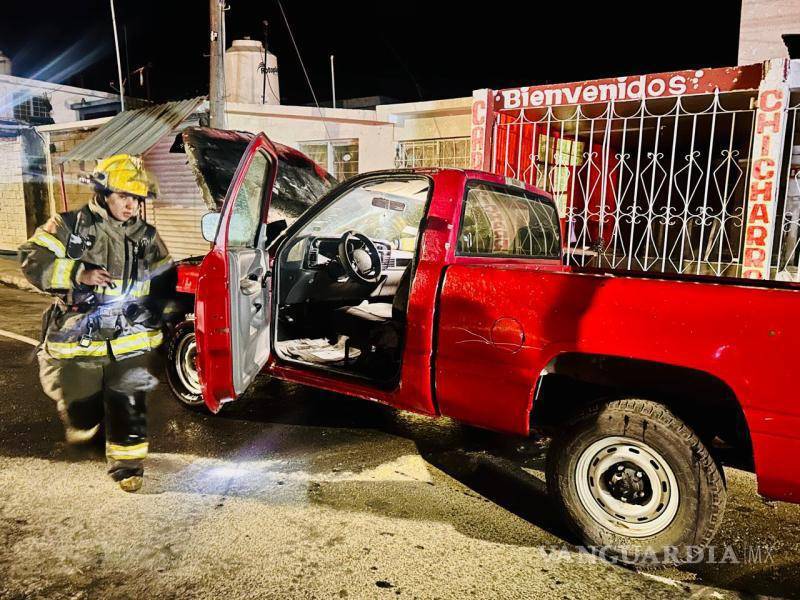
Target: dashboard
x: 311, y: 271
x: 322, y: 250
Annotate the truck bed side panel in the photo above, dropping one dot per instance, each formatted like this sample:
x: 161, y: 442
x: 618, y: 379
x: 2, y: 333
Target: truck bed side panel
x: 499, y: 326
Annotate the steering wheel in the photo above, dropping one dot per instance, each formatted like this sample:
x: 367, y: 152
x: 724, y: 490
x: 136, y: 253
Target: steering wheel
x: 359, y: 257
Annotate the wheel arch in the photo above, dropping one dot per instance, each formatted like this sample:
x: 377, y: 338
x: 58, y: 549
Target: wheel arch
x: 572, y: 380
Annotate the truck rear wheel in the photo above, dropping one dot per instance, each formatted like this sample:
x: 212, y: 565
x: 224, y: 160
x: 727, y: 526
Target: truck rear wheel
x: 635, y: 483
x: 181, y: 366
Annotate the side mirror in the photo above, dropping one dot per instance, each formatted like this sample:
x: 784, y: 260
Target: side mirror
x: 274, y: 229
x: 209, y: 224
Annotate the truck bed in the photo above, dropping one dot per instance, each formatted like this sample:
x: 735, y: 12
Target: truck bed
x: 500, y: 326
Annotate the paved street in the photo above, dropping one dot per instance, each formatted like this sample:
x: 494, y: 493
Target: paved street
x: 294, y: 493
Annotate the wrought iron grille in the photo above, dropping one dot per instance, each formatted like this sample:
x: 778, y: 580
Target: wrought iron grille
x: 339, y: 157
x: 788, y: 251
x: 652, y: 185
x: 445, y: 152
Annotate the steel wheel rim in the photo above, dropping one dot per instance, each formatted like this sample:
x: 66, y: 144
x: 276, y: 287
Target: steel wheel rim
x: 186, y: 366
x: 611, y: 495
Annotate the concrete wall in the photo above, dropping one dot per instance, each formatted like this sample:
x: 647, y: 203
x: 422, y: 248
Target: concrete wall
x: 763, y: 22
x: 61, y: 96
x: 377, y: 131
x: 428, y: 120
x: 13, y: 228
x: 292, y: 125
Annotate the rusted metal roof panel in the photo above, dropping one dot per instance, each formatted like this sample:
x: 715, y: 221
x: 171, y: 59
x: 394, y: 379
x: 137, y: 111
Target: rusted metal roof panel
x: 133, y: 132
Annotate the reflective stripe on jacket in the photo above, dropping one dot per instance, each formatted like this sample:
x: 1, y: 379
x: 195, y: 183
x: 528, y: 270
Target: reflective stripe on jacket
x: 120, y: 319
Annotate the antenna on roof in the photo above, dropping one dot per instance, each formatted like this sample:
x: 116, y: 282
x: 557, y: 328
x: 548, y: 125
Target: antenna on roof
x: 333, y: 84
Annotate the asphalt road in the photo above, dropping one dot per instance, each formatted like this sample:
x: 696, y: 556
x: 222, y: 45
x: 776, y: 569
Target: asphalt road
x: 295, y: 493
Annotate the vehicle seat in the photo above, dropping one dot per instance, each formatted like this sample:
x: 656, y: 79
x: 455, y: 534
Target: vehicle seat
x: 366, y: 323
x: 377, y: 312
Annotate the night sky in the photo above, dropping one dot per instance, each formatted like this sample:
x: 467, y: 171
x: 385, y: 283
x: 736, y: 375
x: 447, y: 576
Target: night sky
x: 406, y: 51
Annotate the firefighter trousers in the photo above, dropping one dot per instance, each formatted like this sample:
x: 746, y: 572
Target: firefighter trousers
x: 104, y: 392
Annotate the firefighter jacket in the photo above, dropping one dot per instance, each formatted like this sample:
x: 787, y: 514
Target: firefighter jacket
x: 117, y: 321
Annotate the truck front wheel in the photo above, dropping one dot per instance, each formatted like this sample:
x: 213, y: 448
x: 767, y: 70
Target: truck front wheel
x: 635, y: 483
x: 181, y: 366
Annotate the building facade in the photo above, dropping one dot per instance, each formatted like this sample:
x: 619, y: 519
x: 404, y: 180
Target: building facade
x: 40, y: 102
x: 689, y: 172
x: 762, y: 24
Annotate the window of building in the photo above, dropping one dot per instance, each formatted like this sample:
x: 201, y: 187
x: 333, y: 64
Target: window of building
x: 446, y: 152
x: 339, y: 157
x: 32, y: 109
x: 504, y: 221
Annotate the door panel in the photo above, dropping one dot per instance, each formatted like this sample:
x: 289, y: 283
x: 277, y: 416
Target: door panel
x: 249, y: 299
x: 233, y: 286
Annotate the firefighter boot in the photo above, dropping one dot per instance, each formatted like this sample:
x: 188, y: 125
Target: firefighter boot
x: 126, y: 438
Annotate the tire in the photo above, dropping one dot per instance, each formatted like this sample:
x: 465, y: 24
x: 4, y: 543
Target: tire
x: 181, y: 372
x: 636, y: 484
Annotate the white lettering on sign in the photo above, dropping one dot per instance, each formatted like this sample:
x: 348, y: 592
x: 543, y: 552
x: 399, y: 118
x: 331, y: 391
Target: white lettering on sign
x: 622, y: 88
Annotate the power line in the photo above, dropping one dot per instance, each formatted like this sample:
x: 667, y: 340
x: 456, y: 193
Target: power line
x: 305, y: 72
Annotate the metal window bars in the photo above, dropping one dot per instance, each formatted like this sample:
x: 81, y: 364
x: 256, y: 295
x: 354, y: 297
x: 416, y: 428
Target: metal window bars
x: 339, y: 157
x: 652, y: 185
x: 444, y: 152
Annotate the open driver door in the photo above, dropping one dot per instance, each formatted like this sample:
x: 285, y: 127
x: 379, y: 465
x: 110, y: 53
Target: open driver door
x: 232, y: 303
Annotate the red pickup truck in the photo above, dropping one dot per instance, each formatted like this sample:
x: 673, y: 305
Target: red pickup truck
x: 444, y: 292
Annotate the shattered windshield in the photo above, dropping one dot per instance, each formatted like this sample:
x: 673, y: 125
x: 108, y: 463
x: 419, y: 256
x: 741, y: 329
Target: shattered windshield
x: 389, y: 209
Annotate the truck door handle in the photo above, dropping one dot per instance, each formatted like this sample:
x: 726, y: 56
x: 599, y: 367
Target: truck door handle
x: 249, y: 287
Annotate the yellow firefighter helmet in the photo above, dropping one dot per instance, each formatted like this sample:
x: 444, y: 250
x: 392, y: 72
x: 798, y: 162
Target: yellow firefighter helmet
x: 125, y: 174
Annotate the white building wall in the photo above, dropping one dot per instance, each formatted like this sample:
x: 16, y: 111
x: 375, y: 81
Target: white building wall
x: 293, y: 125
x: 61, y: 96
x: 434, y: 119
x: 762, y: 23
x: 377, y: 131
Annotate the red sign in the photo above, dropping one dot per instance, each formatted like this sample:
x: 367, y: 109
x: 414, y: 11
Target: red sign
x: 620, y: 89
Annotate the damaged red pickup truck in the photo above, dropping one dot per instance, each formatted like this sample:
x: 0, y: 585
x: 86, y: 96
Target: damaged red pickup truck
x: 444, y: 292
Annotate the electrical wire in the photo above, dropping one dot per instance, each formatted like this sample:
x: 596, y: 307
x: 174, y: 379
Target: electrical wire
x: 305, y: 72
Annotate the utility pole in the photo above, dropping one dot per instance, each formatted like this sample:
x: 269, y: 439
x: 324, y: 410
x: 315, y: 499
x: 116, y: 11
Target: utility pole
x: 119, y: 62
x: 216, y: 88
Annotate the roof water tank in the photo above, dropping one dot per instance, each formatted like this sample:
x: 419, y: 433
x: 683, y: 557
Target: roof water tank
x: 245, y: 76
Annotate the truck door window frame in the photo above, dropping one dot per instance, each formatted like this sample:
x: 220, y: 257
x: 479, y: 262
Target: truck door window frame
x: 257, y: 229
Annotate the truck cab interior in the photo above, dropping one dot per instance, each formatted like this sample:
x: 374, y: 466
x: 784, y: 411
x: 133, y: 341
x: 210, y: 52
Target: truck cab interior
x: 343, y: 279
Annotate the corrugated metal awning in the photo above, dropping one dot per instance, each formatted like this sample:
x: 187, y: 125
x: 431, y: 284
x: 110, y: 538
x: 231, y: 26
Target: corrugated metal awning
x: 133, y: 132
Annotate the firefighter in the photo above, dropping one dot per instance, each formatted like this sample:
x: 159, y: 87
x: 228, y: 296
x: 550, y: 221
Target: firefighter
x: 102, y: 263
